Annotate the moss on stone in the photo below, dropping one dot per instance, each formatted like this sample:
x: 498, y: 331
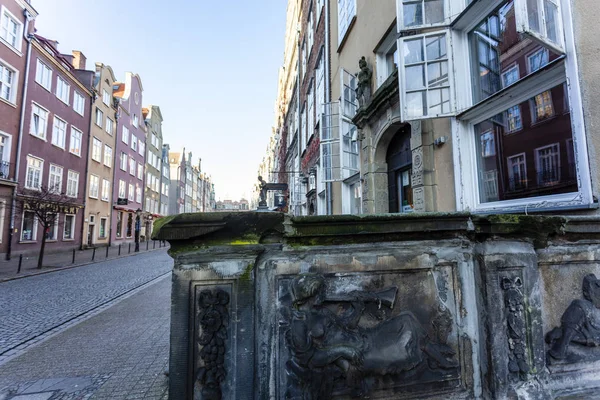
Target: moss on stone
x: 246, y: 275
x: 159, y: 223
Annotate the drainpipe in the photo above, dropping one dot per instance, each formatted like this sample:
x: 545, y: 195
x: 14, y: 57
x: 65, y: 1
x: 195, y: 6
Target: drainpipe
x: 297, y: 168
x: 87, y: 165
x: 329, y: 185
x: 13, y: 210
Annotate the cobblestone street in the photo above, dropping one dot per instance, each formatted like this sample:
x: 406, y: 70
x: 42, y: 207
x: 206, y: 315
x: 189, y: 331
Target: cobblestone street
x: 100, y: 331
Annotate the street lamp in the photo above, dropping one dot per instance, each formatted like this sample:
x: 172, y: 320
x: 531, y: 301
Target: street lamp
x: 138, y: 212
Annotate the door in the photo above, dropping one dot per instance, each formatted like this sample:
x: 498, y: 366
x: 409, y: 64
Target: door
x: 90, y: 237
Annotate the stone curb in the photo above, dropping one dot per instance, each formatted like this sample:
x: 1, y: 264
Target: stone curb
x: 42, y: 272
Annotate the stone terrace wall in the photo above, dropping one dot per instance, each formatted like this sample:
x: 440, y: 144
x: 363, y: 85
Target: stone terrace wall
x: 440, y: 306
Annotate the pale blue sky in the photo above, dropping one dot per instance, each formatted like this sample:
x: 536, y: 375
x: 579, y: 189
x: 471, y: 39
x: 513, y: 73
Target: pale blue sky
x: 211, y: 66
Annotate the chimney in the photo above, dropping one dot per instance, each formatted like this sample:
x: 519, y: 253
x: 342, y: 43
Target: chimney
x: 79, y: 60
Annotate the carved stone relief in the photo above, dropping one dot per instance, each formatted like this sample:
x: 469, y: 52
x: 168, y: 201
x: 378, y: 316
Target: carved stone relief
x: 419, y: 199
x: 515, y: 327
x: 417, y: 167
x: 579, y: 330
x: 416, y: 138
x: 351, y: 342
x: 213, y: 321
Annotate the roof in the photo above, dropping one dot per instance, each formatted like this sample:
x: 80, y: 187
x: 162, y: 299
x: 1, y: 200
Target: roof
x: 145, y: 112
x: 118, y: 89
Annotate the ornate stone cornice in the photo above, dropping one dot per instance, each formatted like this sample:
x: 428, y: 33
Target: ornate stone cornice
x: 383, y: 98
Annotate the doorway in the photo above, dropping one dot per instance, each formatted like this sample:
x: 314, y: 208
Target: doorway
x: 90, y: 233
x: 399, y: 162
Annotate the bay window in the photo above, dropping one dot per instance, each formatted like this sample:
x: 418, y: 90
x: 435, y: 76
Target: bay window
x: 346, y: 14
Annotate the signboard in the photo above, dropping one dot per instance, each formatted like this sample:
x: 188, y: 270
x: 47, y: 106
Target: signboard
x: 50, y: 207
x: 279, y: 200
x: 122, y: 202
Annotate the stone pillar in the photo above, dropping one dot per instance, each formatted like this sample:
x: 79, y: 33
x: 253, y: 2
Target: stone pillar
x: 417, y: 179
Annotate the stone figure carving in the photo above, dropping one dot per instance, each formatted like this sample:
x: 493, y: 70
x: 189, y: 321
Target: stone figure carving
x: 515, y: 326
x: 331, y: 349
x: 580, y: 323
x: 363, y: 86
x: 213, y: 318
x: 263, y: 192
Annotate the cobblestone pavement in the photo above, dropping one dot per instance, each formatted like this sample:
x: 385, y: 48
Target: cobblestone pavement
x: 33, y: 306
x: 121, y: 353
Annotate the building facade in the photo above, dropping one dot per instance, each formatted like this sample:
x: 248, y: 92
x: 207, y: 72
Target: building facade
x: 101, y: 160
x: 165, y: 181
x: 130, y: 150
x: 54, y: 144
x: 152, y: 191
x: 18, y: 16
x: 177, y: 182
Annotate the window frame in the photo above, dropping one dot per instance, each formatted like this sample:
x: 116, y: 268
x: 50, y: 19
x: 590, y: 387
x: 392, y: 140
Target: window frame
x: 105, y: 187
x: 44, y: 81
x: 96, y: 153
x: 69, y: 184
x: 78, y: 103
x: 64, y: 88
x: 537, y: 159
x: 347, y: 20
x: 122, y: 192
x: 55, y: 137
x: 125, y: 135
x: 34, y: 227
x: 41, y: 172
x: 91, y: 193
x: 74, y: 218
x: 51, y: 175
x: 17, y: 47
x: 108, y: 156
x: 14, y: 85
x: 35, y: 105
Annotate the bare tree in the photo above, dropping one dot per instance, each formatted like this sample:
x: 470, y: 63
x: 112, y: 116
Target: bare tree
x: 45, y: 204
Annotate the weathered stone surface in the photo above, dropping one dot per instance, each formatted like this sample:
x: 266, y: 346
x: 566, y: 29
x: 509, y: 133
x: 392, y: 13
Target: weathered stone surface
x: 388, y: 306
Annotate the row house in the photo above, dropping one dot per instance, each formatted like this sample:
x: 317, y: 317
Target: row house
x: 153, y: 190
x: 130, y: 148
x: 481, y: 106
x: 53, y: 144
x: 165, y: 180
x: 190, y: 190
x: 177, y: 183
x: 101, y: 160
x: 17, y: 19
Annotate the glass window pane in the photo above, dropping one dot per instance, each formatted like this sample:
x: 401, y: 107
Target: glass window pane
x: 415, y: 77
x: 435, y: 47
x: 434, y: 11
x: 439, y: 101
x: 416, y: 104
x: 413, y: 14
x: 551, y: 15
x: 525, y: 156
x: 437, y: 74
x: 533, y: 13
x: 413, y: 51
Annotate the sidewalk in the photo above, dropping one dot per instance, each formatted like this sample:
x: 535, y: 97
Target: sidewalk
x: 54, y: 262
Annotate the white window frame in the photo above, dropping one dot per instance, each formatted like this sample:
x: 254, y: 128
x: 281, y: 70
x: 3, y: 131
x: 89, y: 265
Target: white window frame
x: 105, y: 97
x: 310, y: 28
x: 78, y: 103
x: 451, y: 9
x: 96, y: 149
x: 130, y: 192
x: 537, y: 158
x: 2, y: 218
x: 108, y: 154
x: 125, y: 135
x: 140, y: 171
x: 381, y: 57
x: 55, y: 236
x: 132, y: 165
x: 514, y: 67
x: 510, y: 163
x: 34, y: 227
x: 63, y: 90
x: 134, y: 142
x: 94, y: 186
x: 34, y: 169
x: 35, y: 109
x: 123, y: 161
x: 138, y: 194
x: 122, y: 189
x: 346, y: 11
x: 524, y: 24
x: 43, y: 75
x: 74, y: 218
x: 13, y: 86
x: 109, y: 126
x: 55, y: 178
x: 59, y: 137
x: 72, y: 184
x: 99, y: 117
x: 105, y: 190
x: 5, y: 15
x: 545, y: 54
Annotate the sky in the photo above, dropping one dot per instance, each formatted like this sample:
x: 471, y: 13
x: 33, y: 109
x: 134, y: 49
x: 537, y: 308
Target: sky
x: 211, y: 67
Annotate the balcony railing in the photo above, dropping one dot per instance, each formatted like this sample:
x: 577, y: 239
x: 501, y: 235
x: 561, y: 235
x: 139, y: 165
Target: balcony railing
x: 5, y: 170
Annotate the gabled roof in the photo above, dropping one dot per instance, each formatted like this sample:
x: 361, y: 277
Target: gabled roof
x: 119, y: 90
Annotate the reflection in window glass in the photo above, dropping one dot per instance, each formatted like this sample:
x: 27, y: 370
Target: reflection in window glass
x: 423, y: 12
x: 520, y: 157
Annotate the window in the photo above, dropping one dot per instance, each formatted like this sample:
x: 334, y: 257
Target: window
x: 311, y: 113
x: 140, y: 171
x: 541, y: 107
x: 55, y: 179
x: 123, y: 161
x: 94, y: 186
x: 490, y: 183
x: 99, y: 117
x: 52, y: 230
x: 28, y: 227
x: 310, y: 27
x: 517, y: 172
x: 75, y: 142
x: 105, y: 97
x: 131, y: 166
x: 119, y: 230
x: 62, y: 90
x: 96, y: 150
x: 510, y: 76
x: 537, y: 60
x: 125, y: 135
x: 72, y: 183
x: 541, y: 19
x: 59, y: 132
x: 138, y: 194
x: 8, y: 90
x: 303, y: 126
x: 134, y: 142
x: 78, y: 103
x: 547, y: 164
x: 422, y: 12
x: 105, y: 190
x: 69, y: 227
x: 320, y: 4
x: 141, y: 148
x: 109, y: 126
x: 43, y: 75
x: 34, y: 173
x: 513, y: 119
x: 387, y: 58
x: 122, y: 189
x: 320, y: 91
x: 39, y: 121
x: 135, y: 120
x: 10, y: 29
x: 107, y: 155
x: 486, y: 48
x: 425, y: 77
x: 346, y: 13
x: 130, y: 193
x: 488, y: 144
x: 129, y: 225
x: 102, y: 231
x: 349, y: 101
x: 303, y: 59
